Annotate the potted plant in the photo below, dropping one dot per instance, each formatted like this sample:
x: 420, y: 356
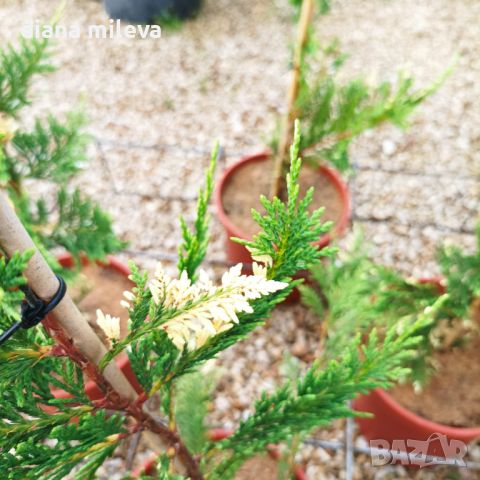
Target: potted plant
x: 52, y: 153
x: 357, y: 295
x: 332, y: 114
x: 175, y: 326
x: 441, y: 399
x: 145, y: 11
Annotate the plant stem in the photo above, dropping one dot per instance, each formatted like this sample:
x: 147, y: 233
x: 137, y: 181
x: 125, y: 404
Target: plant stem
x: 68, y: 327
x: 287, y: 133
x: 171, y: 418
x: 327, y: 142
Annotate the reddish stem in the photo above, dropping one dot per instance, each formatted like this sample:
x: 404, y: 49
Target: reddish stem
x: 114, y: 401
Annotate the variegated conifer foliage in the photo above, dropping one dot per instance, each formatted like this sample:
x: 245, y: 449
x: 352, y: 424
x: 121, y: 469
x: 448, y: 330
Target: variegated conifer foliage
x: 177, y: 324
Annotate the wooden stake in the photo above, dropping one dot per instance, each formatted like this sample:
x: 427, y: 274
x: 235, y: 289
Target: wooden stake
x: 306, y: 16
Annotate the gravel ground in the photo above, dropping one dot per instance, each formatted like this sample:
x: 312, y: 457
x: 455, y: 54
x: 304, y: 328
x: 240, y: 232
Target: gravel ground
x: 157, y: 105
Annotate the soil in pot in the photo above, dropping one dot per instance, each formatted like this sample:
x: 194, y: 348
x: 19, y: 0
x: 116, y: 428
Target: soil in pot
x: 101, y: 287
x: 242, y: 193
x: 260, y: 467
x: 452, y: 395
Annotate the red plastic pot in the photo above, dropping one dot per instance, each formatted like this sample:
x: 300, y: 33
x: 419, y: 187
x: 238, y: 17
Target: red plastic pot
x: 239, y: 254
x: 216, y: 435
x: 91, y: 389
x: 393, y: 422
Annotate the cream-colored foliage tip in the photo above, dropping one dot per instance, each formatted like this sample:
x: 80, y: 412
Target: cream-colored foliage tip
x: 204, y: 309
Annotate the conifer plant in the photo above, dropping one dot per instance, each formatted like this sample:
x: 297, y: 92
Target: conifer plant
x: 334, y: 112
x: 51, y: 151
x: 176, y: 325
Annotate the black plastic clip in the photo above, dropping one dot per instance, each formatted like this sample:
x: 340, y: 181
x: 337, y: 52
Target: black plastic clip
x: 34, y: 309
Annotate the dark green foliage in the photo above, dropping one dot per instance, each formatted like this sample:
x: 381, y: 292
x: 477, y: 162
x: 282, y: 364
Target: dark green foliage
x: 462, y: 273
x: 52, y: 151
x: 333, y: 112
x: 36, y: 443
x: 82, y: 227
x: 194, y: 247
x: 17, y: 67
x: 322, y: 394
x: 40, y: 444
x: 89, y: 441
x: 11, y: 277
x: 288, y: 229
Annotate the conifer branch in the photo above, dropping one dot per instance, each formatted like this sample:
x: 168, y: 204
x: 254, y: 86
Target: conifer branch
x: 194, y: 247
x: 17, y: 67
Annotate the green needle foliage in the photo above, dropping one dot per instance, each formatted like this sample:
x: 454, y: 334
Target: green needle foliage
x: 321, y: 396
x: 353, y: 294
x: 194, y: 247
x: 53, y: 151
x: 11, y: 277
x: 41, y: 436
x: 462, y: 274
x: 287, y: 226
x: 334, y: 112
x: 17, y: 68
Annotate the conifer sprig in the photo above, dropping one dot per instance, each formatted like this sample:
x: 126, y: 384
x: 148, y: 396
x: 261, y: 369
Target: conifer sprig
x: 11, y: 277
x: 288, y: 229
x: 17, y: 68
x: 322, y: 394
x: 52, y: 151
x: 461, y: 270
x: 194, y: 247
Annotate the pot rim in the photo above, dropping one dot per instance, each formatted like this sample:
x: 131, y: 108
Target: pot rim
x: 413, y: 418
x: 428, y: 425
x: 329, y: 172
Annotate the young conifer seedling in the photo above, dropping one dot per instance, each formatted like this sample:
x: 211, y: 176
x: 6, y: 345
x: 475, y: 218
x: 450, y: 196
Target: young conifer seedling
x: 176, y: 325
x: 334, y: 112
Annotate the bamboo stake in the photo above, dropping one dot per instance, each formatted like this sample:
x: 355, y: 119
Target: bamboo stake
x: 42, y: 280
x: 306, y: 16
